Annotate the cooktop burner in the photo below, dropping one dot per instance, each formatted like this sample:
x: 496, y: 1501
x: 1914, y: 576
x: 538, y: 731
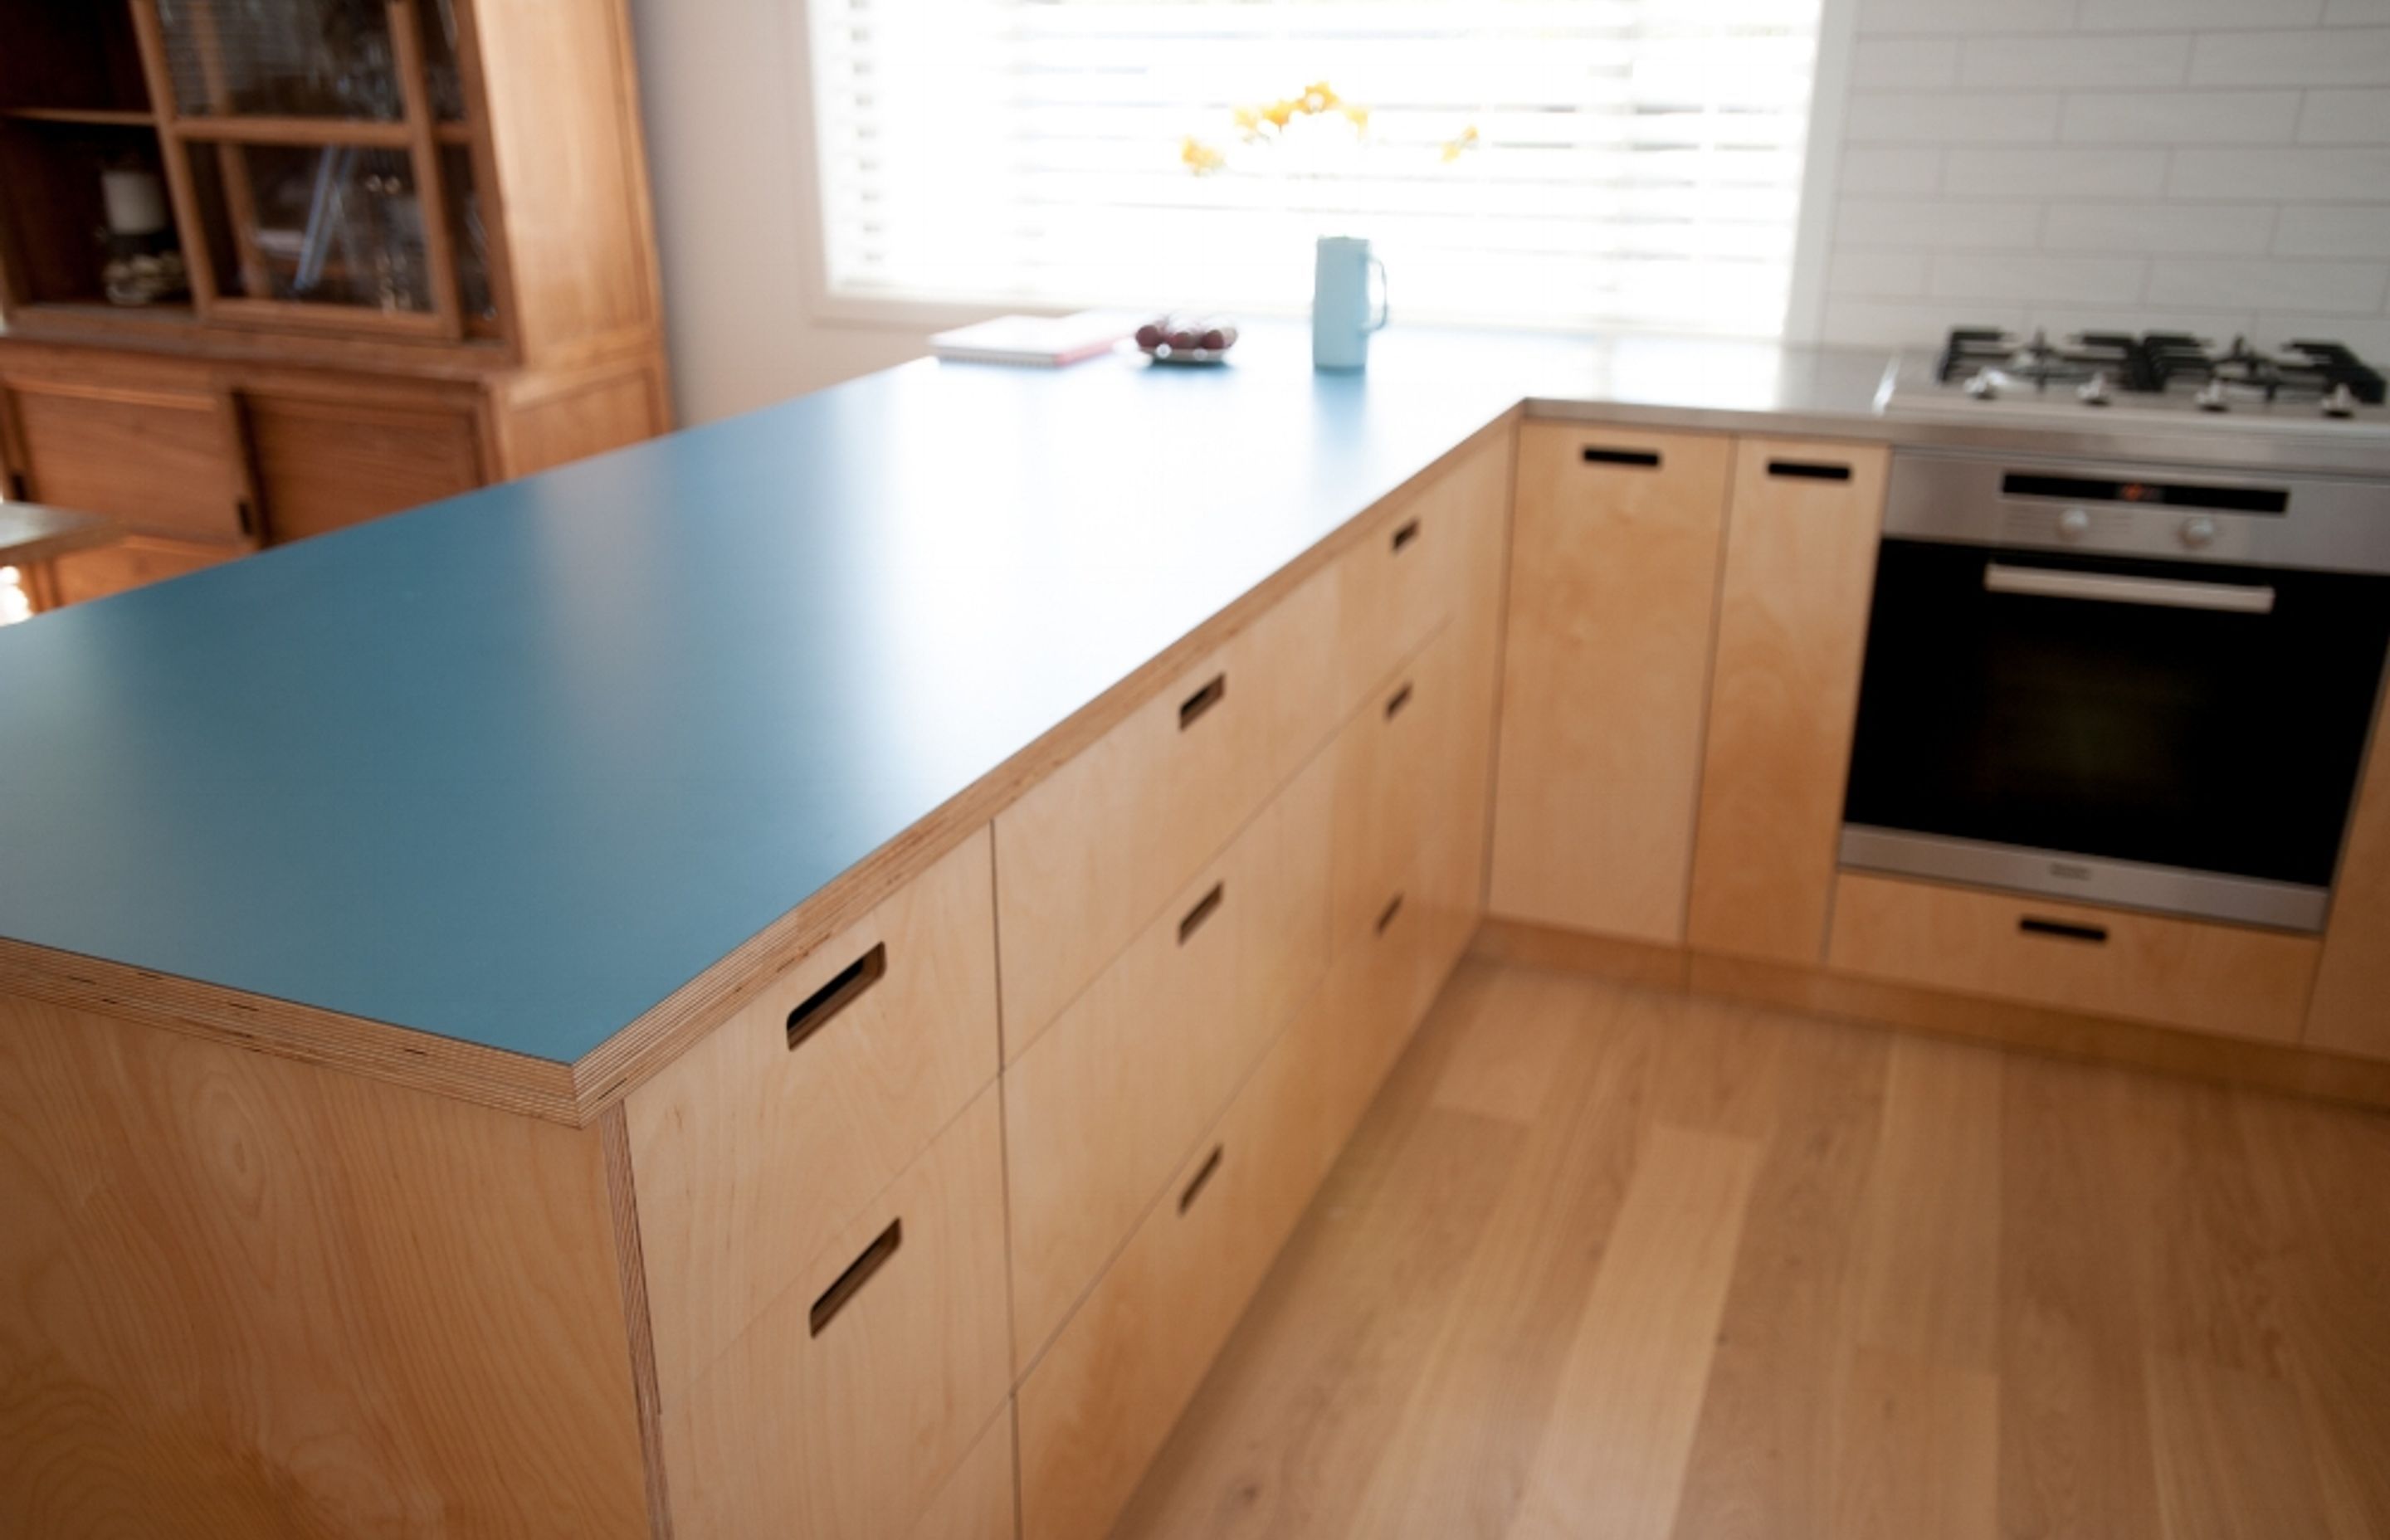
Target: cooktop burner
x: 2159, y: 370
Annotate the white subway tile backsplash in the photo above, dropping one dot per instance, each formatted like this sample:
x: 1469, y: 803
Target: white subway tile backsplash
x: 1939, y: 117
x: 1904, y: 63
x: 1877, y: 275
x: 1890, y: 169
x: 2108, y: 63
x: 2219, y: 167
x: 1938, y: 17
x: 2133, y: 16
x: 2324, y: 288
x: 2182, y: 117
x: 1930, y: 224
x: 2193, y: 229
x: 2328, y: 56
x: 2067, y: 172
x: 2352, y: 117
x: 2334, y: 230
x: 2081, y: 280
x: 2318, y: 173
x: 1911, y: 324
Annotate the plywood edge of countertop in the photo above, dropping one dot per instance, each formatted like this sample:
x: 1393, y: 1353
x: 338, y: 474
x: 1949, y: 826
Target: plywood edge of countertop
x: 577, y: 1093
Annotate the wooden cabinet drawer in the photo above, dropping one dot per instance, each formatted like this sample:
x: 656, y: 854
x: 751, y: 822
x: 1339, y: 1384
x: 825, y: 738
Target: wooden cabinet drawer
x: 848, y: 1404
x: 1099, y: 1403
x: 1388, y: 760
x: 1792, y: 616
x: 765, y: 1138
x: 134, y: 561
x: 1102, y: 1106
x: 978, y: 1502
x: 2101, y: 962
x: 1397, y: 584
x: 1091, y: 855
x: 162, y: 461
x: 1613, y: 587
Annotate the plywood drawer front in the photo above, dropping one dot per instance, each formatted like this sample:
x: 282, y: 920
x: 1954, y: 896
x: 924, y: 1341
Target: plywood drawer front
x: 1389, y: 763
x: 1100, y: 1402
x: 1101, y: 1107
x: 1092, y: 853
x: 1613, y: 586
x: 134, y: 561
x: 1399, y: 584
x: 848, y: 1404
x: 2101, y: 962
x: 771, y: 1132
x: 978, y: 1502
x: 169, y: 462
x: 1792, y: 615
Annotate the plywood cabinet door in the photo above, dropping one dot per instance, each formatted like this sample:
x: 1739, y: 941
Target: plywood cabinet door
x: 1793, y: 610
x: 325, y: 465
x: 1613, y: 587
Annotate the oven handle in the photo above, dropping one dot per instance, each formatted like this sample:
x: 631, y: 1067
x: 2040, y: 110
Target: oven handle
x: 2049, y: 583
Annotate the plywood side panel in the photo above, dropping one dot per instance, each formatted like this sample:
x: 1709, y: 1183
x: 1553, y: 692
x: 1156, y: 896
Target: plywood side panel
x: 243, y: 1296
x: 1613, y: 588
x: 1792, y: 615
x: 2351, y: 1012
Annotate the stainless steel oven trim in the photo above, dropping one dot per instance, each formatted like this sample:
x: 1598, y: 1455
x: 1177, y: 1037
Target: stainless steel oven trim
x: 2051, y: 583
x: 2090, y: 879
x: 2331, y: 523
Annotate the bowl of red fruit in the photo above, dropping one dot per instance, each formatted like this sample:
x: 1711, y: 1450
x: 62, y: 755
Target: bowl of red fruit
x: 1181, y: 338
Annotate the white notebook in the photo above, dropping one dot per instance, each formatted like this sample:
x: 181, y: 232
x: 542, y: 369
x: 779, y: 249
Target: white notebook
x: 1047, y: 340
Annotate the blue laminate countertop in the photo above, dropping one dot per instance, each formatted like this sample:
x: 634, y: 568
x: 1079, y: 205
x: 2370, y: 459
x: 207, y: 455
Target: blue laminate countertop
x: 514, y: 767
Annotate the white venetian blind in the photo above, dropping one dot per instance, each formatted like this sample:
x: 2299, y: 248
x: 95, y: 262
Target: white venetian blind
x: 1632, y: 162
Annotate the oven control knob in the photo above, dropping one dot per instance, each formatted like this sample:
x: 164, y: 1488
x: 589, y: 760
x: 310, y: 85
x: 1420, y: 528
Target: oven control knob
x: 2074, y: 524
x: 1982, y: 385
x: 2199, y: 532
x: 2342, y: 402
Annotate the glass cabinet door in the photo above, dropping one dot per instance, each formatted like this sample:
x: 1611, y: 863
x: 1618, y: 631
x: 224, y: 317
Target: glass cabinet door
x: 283, y: 58
x: 327, y: 162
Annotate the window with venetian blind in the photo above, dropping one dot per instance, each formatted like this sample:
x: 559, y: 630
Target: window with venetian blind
x: 1629, y: 162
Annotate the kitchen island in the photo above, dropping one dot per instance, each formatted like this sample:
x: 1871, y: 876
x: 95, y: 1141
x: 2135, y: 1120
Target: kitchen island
x: 738, y: 983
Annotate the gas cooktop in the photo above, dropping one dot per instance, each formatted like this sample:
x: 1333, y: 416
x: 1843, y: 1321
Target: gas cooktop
x: 2308, y: 386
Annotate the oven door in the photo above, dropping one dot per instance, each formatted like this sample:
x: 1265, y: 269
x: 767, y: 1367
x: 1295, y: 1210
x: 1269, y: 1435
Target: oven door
x: 2172, y: 736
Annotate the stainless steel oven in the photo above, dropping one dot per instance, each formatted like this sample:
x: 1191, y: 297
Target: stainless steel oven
x: 2121, y: 682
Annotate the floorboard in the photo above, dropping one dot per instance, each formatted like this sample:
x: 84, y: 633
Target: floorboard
x: 1607, y: 1261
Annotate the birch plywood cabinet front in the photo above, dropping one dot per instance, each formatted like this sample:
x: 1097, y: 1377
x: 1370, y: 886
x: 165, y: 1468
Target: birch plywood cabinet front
x: 834, y: 1266
x: 1613, y: 597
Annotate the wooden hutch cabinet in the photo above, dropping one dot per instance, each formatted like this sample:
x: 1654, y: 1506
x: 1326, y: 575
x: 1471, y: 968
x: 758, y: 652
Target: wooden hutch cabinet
x: 271, y: 267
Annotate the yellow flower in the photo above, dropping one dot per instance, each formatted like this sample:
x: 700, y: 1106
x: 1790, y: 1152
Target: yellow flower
x: 1467, y: 140
x: 1200, y: 158
x: 1358, y: 116
x: 1249, y: 120
x: 1280, y: 112
x: 1318, y: 97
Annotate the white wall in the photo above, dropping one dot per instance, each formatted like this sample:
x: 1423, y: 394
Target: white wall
x: 2215, y: 165
x: 2218, y: 166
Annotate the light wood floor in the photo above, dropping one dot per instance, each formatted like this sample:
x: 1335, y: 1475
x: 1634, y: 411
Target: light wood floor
x: 1621, y: 1265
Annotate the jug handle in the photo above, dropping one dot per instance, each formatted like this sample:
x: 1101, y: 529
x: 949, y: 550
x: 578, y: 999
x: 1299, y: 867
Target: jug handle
x: 1385, y: 300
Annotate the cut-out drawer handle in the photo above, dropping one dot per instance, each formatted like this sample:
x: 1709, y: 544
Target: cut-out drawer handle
x: 1809, y: 470
x: 813, y: 1013
x: 1397, y: 702
x: 2095, y: 935
x: 1647, y: 458
x: 1194, y: 706
x: 858, y: 1273
x: 1201, y: 912
x: 1203, y: 1174
x: 1405, y: 533
x: 1386, y: 915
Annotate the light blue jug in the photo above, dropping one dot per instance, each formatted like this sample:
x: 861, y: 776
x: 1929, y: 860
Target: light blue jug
x: 1341, y: 316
